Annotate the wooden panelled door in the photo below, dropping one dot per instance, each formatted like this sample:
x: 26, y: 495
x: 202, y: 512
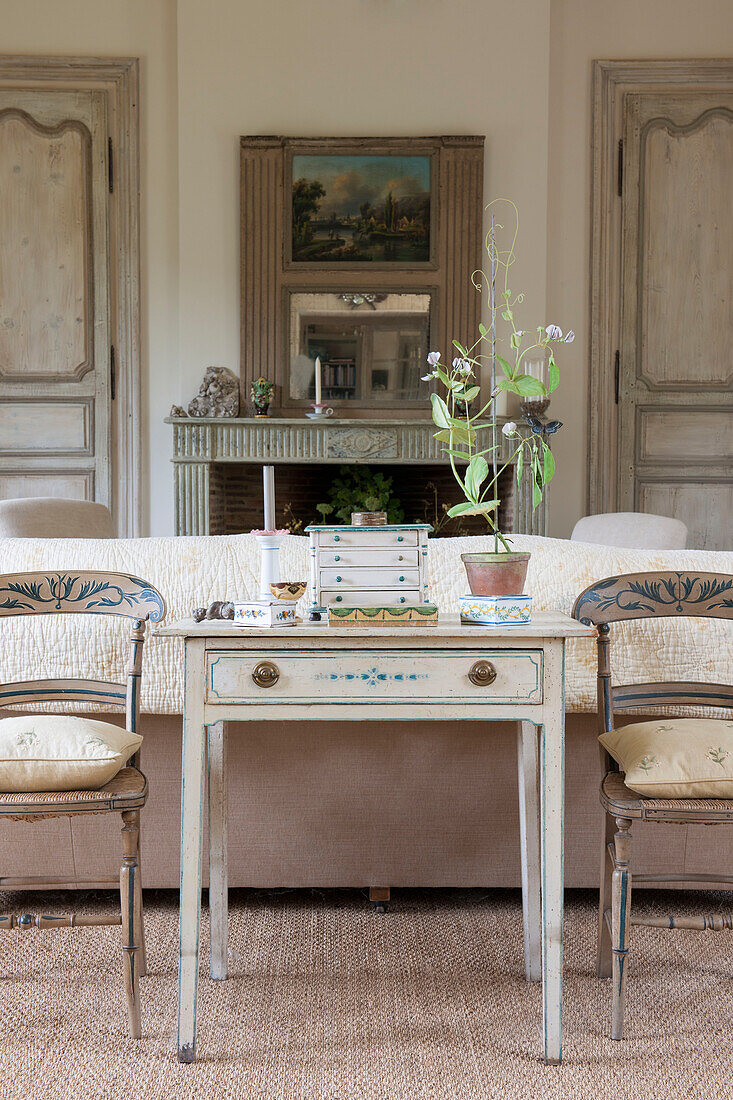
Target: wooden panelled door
x: 675, y: 323
x: 54, y: 295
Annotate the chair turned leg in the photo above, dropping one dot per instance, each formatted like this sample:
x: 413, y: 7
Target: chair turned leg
x: 620, y: 914
x: 603, y: 958
x: 131, y: 917
x: 140, y: 934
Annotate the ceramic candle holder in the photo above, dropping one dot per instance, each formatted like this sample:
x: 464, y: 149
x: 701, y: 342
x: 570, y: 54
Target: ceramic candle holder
x: 320, y: 412
x: 270, y: 543
x: 496, y: 610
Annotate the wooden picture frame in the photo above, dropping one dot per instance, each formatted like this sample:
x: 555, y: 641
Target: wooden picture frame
x: 270, y: 273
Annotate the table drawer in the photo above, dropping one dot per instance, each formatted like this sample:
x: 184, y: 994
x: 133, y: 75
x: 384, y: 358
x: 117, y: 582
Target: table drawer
x: 394, y: 578
x: 366, y: 537
x: 374, y: 558
x: 376, y: 597
x: 411, y: 677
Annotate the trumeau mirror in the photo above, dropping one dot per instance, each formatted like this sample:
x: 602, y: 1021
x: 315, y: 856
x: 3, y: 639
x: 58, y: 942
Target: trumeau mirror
x: 358, y: 251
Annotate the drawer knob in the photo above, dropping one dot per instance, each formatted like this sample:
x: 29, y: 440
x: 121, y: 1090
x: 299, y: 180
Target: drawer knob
x: 482, y: 673
x: 400, y: 558
x: 337, y: 557
x: 402, y: 578
x: 338, y: 580
x: 337, y: 538
x: 400, y: 538
x: 265, y: 674
x: 339, y: 599
x: 403, y: 599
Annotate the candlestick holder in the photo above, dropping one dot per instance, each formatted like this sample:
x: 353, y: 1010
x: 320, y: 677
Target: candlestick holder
x: 320, y: 412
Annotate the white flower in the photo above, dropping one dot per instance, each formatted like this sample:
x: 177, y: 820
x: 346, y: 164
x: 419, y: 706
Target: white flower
x: 462, y: 366
x: 434, y: 358
x: 429, y: 377
x: 569, y: 337
x: 553, y: 332
x: 510, y: 428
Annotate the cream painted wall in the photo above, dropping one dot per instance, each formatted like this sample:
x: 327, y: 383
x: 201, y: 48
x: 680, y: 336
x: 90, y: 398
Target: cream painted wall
x: 582, y: 30
x: 144, y: 29
x: 518, y: 73
x: 347, y: 67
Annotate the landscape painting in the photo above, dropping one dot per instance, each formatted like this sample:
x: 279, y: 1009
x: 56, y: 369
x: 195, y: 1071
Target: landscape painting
x: 354, y: 208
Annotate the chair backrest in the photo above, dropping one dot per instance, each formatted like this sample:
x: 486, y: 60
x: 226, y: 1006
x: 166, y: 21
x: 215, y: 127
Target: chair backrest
x: 632, y: 530
x: 87, y: 593
x: 651, y: 596
x: 54, y: 518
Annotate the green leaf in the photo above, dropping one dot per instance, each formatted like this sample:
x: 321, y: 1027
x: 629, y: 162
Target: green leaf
x: 441, y: 415
x: 482, y: 329
x: 507, y: 314
x: 443, y: 376
x: 457, y: 433
x: 516, y: 340
x: 464, y: 455
x: 479, y: 471
x: 554, y: 378
x: 520, y: 464
x: 505, y: 366
x: 471, y: 394
x: 470, y: 509
x: 506, y: 294
x: 527, y: 386
x: 536, y: 494
x: 462, y: 350
x: 549, y: 464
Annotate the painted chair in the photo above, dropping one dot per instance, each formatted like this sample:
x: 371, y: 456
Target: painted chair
x: 617, y: 599
x: 632, y: 530
x: 97, y: 593
x: 54, y: 518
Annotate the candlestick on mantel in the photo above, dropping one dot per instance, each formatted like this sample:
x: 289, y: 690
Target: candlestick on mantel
x: 318, y: 380
x: 268, y: 488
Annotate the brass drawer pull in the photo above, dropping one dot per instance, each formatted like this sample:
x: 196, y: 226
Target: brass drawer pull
x: 482, y: 673
x: 265, y: 674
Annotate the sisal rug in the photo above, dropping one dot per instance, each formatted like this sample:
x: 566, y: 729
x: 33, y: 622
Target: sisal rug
x: 329, y: 1000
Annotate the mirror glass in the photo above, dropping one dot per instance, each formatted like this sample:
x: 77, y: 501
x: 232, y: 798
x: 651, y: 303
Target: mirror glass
x: 372, y: 346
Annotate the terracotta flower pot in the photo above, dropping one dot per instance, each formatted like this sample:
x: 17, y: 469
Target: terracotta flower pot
x: 496, y: 574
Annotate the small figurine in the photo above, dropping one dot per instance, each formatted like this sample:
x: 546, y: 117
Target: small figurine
x: 261, y: 391
x: 219, y: 609
x: 177, y: 410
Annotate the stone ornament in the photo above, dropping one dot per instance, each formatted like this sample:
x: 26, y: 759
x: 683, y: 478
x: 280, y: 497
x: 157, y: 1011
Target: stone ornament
x: 219, y: 609
x: 218, y: 394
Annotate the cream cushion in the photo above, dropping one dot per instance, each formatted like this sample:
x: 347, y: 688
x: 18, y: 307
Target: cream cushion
x: 60, y: 752
x: 675, y: 757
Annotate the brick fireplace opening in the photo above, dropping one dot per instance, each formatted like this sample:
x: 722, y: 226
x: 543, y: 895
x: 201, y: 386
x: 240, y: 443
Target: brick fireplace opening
x: 424, y: 492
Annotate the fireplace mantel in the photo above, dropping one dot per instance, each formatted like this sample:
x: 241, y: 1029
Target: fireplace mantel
x: 199, y: 443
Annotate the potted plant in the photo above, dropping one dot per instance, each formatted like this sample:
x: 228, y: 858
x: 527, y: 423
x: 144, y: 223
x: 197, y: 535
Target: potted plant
x: 463, y: 433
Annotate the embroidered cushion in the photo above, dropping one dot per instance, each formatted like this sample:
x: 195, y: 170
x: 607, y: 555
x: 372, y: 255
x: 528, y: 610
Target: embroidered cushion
x: 60, y: 752
x: 675, y: 757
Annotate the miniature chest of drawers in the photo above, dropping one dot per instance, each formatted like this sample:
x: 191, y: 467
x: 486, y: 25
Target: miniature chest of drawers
x: 369, y: 566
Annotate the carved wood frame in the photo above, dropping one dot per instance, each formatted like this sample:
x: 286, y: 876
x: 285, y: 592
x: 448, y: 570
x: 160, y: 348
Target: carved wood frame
x: 612, y: 80
x: 268, y: 274
x: 118, y: 78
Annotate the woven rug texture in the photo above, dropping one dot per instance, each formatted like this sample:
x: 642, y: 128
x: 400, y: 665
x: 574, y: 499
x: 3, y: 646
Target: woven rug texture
x: 327, y: 999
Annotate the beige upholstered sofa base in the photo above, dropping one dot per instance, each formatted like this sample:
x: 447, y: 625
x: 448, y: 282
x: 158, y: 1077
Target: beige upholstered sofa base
x: 335, y: 804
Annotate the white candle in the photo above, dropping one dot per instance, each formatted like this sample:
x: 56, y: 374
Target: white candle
x: 318, y: 381
x: 268, y: 487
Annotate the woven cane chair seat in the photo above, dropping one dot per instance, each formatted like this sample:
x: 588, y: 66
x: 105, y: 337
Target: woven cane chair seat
x: 128, y: 790
x: 617, y: 799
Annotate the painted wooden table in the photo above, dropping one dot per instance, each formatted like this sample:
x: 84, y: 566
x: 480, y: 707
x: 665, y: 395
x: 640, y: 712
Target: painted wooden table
x: 420, y: 673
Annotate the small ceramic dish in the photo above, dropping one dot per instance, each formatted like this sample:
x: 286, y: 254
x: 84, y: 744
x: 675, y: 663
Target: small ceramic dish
x: 288, y: 590
x: 496, y: 610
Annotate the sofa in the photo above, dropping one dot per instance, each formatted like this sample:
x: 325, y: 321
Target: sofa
x: 349, y: 805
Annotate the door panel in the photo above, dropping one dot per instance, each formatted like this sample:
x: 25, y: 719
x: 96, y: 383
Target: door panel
x: 54, y: 297
x: 676, y: 353
x: 705, y: 506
